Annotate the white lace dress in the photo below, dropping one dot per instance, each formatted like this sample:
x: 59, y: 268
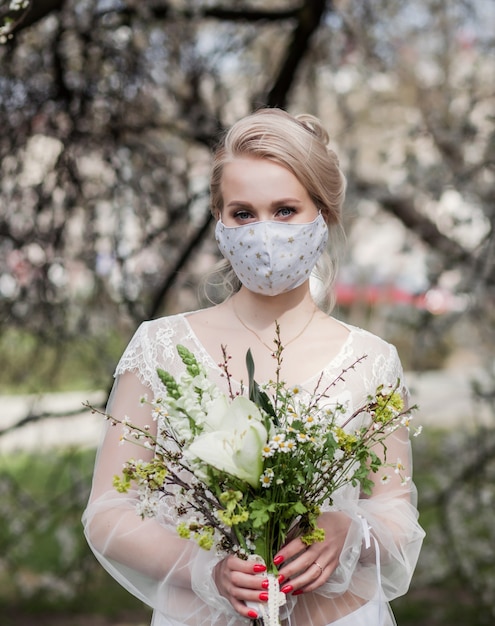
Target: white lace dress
x: 174, y: 576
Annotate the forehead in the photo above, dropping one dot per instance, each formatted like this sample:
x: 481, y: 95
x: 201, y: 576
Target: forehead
x: 249, y: 173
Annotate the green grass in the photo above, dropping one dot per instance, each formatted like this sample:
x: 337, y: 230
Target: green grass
x: 46, y: 563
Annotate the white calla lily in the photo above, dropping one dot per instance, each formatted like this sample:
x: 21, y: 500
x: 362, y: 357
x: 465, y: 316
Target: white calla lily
x: 235, y: 439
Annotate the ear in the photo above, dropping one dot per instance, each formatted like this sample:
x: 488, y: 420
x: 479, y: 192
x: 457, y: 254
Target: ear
x: 325, y: 213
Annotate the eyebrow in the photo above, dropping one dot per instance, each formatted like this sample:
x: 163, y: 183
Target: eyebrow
x: 278, y: 202
x: 287, y: 201
x: 238, y: 203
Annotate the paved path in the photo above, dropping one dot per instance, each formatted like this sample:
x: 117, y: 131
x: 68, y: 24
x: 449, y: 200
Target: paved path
x: 444, y: 398
x: 82, y: 428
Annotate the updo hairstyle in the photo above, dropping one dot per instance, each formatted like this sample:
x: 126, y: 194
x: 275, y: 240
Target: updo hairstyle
x: 300, y: 144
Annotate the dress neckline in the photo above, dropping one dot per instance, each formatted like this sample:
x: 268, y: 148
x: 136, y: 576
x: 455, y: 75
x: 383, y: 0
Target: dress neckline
x: 334, y: 362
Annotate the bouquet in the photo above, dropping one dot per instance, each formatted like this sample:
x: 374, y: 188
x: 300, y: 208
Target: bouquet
x: 247, y: 471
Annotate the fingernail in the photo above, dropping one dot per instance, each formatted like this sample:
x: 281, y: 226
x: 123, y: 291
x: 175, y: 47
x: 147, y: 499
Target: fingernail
x: 258, y: 568
x: 265, y: 583
x: 263, y: 596
x: 287, y: 589
x: 252, y: 614
x: 278, y: 559
x: 298, y: 592
x: 281, y: 579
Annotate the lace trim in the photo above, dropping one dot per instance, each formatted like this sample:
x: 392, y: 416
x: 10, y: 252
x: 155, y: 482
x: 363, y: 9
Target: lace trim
x: 153, y: 345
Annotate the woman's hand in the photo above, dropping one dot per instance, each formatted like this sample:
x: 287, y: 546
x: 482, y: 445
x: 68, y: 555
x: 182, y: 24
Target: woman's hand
x: 305, y: 568
x: 239, y: 581
x: 310, y: 567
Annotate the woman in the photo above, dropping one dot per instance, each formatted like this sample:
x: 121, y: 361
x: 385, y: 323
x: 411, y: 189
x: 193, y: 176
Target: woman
x: 276, y: 192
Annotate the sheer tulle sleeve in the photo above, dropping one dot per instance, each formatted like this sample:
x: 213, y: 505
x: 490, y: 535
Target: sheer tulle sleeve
x: 384, y: 538
x: 146, y: 556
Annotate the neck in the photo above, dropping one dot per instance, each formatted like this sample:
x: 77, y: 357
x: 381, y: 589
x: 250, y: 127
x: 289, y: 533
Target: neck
x: 262, y: 311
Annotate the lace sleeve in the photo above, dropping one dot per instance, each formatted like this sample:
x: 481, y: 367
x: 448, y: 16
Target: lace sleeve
x: 146, y: 556
x: 140, y: 357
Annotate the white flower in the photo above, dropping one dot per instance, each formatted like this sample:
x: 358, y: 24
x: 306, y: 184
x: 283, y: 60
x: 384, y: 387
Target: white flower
x: 267, y: 451
x: 309, y: 420
x: 234, y: 439
x: 147, y: 504
x: 267, y: 477
x: 216, y: 415
x: 277, y: 441
x: 125, y: 434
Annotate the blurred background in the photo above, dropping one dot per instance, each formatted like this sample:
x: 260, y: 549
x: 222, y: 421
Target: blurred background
x: 109, y: 110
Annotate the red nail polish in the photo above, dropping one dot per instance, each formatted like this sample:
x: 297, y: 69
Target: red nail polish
x: 263, y: 596
x: 252, y: 614
x: 280, y: 578
x: 258, y: 568
x: 278, y: 559
x: 298, y: 592
x: 287, y: 589
x: 265, y: 584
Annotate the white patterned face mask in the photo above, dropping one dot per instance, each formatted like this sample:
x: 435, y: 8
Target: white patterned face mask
x: 272, y: 257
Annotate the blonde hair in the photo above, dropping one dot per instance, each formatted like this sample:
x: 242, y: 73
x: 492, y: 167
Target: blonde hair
x: 300, y: 144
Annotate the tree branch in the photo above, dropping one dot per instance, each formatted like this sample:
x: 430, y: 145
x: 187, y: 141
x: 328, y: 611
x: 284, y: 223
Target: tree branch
x: 186, y: 252
x: 248, y: 15
x: 41, y: 8
x: 308, y: 20
x: 403, y: 208
x: 32, y: 418
x: 38, y: 9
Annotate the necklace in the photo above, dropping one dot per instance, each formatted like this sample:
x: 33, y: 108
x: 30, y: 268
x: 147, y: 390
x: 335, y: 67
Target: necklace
x: 251, y: 330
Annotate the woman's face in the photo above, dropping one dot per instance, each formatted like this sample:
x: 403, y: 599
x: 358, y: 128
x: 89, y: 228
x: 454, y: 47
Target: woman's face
x: 255, y: 190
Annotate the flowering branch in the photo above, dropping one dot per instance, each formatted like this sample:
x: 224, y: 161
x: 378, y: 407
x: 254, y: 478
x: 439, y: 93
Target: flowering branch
x: 11, y: 17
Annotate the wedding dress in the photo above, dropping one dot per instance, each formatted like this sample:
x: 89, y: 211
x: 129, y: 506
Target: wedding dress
x: 174, y: 576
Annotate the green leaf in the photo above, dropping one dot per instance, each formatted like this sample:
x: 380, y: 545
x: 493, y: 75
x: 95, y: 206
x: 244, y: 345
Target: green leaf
x: 250, y: 370
x: 297, y: 508
x: 256, y: 395
x: 260, y: 511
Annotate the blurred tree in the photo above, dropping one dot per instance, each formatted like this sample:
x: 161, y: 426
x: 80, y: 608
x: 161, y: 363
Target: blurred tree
x: 109, y: 110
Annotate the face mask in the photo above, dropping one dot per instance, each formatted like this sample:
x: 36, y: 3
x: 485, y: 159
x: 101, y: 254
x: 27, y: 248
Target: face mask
x: 272, y: 257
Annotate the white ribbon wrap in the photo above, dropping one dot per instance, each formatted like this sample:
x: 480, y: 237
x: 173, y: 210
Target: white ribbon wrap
x: 269, y: 611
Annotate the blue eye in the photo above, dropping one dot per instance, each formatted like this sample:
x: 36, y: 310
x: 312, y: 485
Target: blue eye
x: 286, y: 211
x: 242, y: 215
